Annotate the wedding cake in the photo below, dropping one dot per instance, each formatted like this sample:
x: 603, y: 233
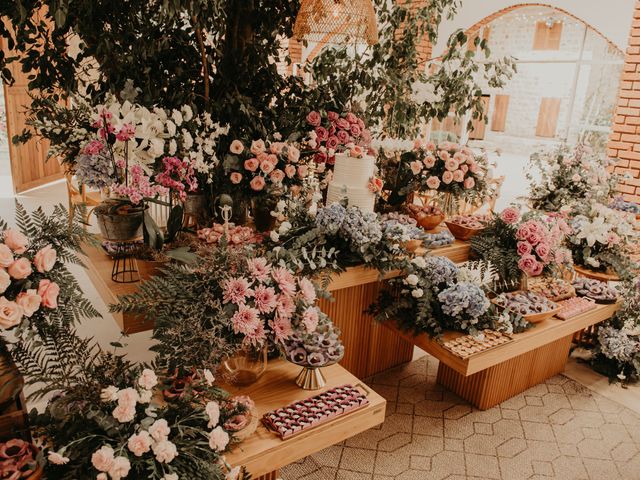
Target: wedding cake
x: 351, y: 179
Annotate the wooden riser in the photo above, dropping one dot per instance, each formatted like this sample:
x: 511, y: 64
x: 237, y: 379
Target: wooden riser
x: 268, y: 476
x: 496, y: 384
x: 369, y: 347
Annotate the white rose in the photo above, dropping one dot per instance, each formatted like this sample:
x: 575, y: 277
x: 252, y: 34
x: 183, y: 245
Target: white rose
x: 419, y: 262
x: 417, y: 293
x: 412, y: 279
x: 284, y: 228
x: 273, y: 235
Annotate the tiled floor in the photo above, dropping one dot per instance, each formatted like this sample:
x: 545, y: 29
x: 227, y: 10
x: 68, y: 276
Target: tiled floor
x: 558, y: 429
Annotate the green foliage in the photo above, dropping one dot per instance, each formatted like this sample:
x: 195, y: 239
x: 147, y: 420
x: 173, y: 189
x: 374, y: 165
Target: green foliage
x: 497, y: 244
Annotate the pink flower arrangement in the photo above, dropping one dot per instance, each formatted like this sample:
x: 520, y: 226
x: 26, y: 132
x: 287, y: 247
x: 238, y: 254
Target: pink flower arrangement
x: 237, y: 236
x: 138, y: 186
x: 264, y: 301
x: 178, y: 175
x: 375, y: 185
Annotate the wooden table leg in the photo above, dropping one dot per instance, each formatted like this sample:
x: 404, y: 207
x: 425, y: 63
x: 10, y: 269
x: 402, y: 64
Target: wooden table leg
x: 496, y: 384
x: 268, y: 476
x: 369, y: 348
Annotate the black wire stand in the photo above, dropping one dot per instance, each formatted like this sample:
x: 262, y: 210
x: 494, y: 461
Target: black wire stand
x: 125, y: 265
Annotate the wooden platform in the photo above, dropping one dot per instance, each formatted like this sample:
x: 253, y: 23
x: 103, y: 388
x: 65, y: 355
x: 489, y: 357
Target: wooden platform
x: 488, y: 378
x: 263, y: 453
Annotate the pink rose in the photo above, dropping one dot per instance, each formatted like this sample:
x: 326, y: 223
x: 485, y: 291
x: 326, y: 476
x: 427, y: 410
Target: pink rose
x: 277, y: 176
x: 139, y: 443
x: 356, y: 152
x: 543, y: 250
x: 6, y: 256
x: 451, y: 165
x: 447, y: 177
x: 10, y: 313
x: 290, y: 171
x: 431, y: 146
x: 257, y: 183
x: 537, y: 269
x: 15, y: 240
x: 5, y: 280
x: 418, y: 144
x: 102, y: 459
x: 534, y: 238
x: 258, y: 146
x: 266, y: 167
x: 332, y: 116
x: 218, y: 439
x: 262, y: 157
x: 321, y: 133
x: 473, y: 167
x: 528, y: 264
x: 251, y: 164
x: 469, y: 182
x: 49, y: 292
x: 293, y: 154
x: 276, y: 147
x: 524, y: 248
x: 272, y: 159
x: 332, y: 142
x: 20, y: 269
x: 444, y: 155
x: 429, y: 161
x: 235, y: 177
x: 464, y: 168
x: 343, y: 137
x: 45, y: 259
x: 236, y: 147
x: 319, y: 157
x: 303, y: 171
x: 29, y: 301
x: 433, y: 182
x: 510, y: 215
x: 416, y: 167
x: 314, y: 118
x: 458, y: 176
x: 342, y: 123
x: 351, y: 118
x: 355, y: 130
x: 523, y: 232
x: 365, y: 137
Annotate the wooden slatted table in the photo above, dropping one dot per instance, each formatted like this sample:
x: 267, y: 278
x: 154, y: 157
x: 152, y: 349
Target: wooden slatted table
x: 263, y: 453
x: 488, y: 378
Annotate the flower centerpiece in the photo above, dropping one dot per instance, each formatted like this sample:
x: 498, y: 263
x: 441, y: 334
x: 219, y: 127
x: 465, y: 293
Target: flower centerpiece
x: 516, y: 245
x: 600, y: 238
x: 569, y: 175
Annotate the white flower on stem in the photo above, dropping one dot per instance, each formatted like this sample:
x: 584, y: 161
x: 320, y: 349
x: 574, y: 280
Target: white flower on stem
x: 109, y: 394
x: 419, y: 262
x: 160, y: 430
x: 284, y: 228
x: 412, y: 279
x: 417, y: 293
x: 148, y: 379
x: 213, y: 412
x: 208, y: 376
x: 57, y: 458
x: 165, y: 451
x: 273, y: 235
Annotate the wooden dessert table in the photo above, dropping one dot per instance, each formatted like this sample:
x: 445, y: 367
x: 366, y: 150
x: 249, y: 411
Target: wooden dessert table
x: 263, y: 453
x: 488, y: 378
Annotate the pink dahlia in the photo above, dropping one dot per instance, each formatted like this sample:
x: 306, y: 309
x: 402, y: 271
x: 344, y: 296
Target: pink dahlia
x: 281, y: 327
x: 246, y: 320
x: 285, y: 280
x: 259, y: 268
x: 236, y: 290
x: 264, y: 299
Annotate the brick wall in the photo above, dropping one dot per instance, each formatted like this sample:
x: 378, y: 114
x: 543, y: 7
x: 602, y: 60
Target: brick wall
x: 624, y: 140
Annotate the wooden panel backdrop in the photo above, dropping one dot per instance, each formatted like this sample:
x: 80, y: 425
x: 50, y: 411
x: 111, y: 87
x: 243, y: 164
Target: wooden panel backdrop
x: 29, y: 165
x: 548, y: 117
x: 500, y: 108
x: 478, y: 126
x: 547, y: 38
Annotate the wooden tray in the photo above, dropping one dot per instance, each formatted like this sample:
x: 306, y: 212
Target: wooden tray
x: 462, y: 347
x: 460, y: 232
x: 536, y: 317
x: 602, y: 276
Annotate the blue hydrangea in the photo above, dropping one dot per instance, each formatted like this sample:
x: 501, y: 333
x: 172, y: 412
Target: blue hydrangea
x: 361, y: 228
x: 331, y: 218
x: 94, y: 171
x: 617, y: 345
x: 464, y: 300
x: 440, y: 269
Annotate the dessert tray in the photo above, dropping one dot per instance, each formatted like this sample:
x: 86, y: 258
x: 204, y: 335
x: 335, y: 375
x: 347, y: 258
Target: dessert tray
x: 465, y: 346
x: 532, y: 306
x: 428, y: 216
x: 555, y: 289
x: 464, y: 227
x: 439, y: 239
x: 302, y: 416
x: 598, y: 291
x: 575, y: 306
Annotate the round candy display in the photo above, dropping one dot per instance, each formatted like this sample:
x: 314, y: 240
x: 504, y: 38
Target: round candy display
x: 524, y: 303
x: 555, y: 289
x: 318, y: 349
x: 595, y: 289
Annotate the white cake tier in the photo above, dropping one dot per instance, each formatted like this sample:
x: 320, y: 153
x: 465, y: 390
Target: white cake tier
x: 353, y: 172
x: 357, y: 197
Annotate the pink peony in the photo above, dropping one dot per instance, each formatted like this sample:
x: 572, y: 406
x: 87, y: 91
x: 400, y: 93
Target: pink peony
x: 20, y: 269
x: 29, y: 301
x: 429, y: 161
x: 307, y: 290
x: 310, y: 319
x: 148, y: 379
x: 159, y: 430
x: 236, y: 290
x: 257, y: 183
x: 246, y: 320
x: 6, y: 256
x: 236, y: 147
x: 447, y: 177
x: 49, y: 292
x: 45, y: 259
x: 433, y: 182
x: 102, y: 459
x: 264, y: 299
x: 235, y: 178
x: 277, y: 176
x: 218, y: 439
x: 416, y: 167
x: 251, y: 164
x: 165, y: 451
x: 10, y: 313
x: 314, y: 118
x: 258, y: 146
x: 139, y: 443
x: 120, y: 468
x: 510, y: 215
x: 266, y: 167
x: 259, y: 268
x: 524, y: 248
x: 15, y: 240
x: 469, y: 182
x: 285, y: 280
x: 290, y: 171
x: 458, y: 176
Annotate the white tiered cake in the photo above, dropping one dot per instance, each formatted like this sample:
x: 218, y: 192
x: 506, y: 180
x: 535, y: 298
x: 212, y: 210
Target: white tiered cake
x: 350, y: 180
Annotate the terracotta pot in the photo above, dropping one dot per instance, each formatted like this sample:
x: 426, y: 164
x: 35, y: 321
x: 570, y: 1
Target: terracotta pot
x: 11, y: 381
